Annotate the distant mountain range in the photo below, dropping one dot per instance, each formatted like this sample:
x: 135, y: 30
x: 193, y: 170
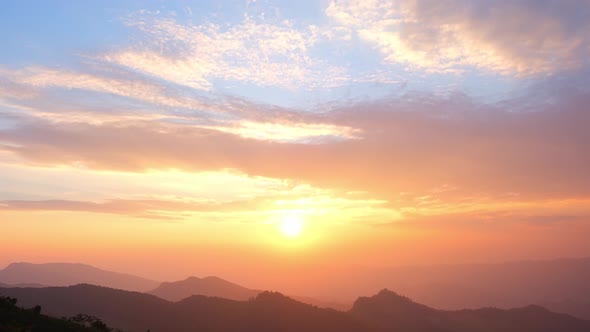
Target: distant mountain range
x: 576, y: 307
x: 217, y: 287
x: 21, y: 285
x: 384, y: 312
x: 66, y: 274
x: 507, y: 285
x: 208, y: 286
x: 559, y: 285
x: 391, y: 312
x: 138, y: 312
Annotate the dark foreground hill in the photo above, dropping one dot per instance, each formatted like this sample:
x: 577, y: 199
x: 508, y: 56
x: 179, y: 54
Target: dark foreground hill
x: 385, y: 311
x: 66, y: 274
x: 17, y: 319
x: 131, y: 311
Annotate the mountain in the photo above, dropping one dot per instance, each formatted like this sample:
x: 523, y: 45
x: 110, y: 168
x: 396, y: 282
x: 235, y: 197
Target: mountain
x: 138, y: 312
x: 66, y: 274
x: 575, y: 307
x: 208, y: 286
x: 559, y: 285
x: 217, y: 287
x: 392, y: 312
x: 268, y: 311
x: 388, y: 310
x: 454, y: 287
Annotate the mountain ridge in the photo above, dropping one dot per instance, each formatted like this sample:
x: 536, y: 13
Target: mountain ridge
x: 558, y: 284
x: 66, y: 274
x: 385, y: 311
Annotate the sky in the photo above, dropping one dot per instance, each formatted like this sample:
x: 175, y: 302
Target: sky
x: 271, y: 142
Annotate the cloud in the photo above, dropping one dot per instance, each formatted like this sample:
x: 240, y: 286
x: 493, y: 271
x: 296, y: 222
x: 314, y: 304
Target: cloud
x: 260, y: 53
x: 266, y: 207
x: 523, y: 37
x: 145, y: 208
x: 290, y: 131
x: 47, y: 94
x: 154, y: 106
x: 404, y: 149
x: 151, y: 208
x: 106, y: 80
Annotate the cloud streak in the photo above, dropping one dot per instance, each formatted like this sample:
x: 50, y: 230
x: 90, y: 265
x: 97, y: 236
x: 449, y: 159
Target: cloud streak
x: 521, y: 37
x: 403, y: 146
x: 265, y: 54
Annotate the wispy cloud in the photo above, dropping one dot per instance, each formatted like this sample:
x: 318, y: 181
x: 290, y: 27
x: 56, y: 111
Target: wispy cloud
x: 106, y: 80
x: 291, y: 131
x: 402, y: 145
x: 522, y: 37
x: 261, y: 53
x: 39, y: 92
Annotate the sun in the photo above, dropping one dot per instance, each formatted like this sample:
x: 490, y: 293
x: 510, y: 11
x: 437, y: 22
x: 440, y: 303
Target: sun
x: 291, y: 225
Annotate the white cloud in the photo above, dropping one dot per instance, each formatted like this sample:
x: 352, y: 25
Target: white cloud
x: 522, y: 37
x: 40, y: 77
x: 238, y: 117
x: 289, y: 131
x: 264, y: 54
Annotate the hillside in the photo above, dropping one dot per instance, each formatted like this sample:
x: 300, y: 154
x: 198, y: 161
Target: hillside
x: 392, y: 312
x: 132, y: 311
x: 17, y: 319
x: 386, y: 311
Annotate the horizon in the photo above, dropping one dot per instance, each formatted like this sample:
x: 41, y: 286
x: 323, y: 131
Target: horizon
x: 285, y: 145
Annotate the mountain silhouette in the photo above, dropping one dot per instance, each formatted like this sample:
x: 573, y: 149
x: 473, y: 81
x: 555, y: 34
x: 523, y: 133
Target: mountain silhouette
x: 134, y: 311
x: 66, y: 274
x: 388, y: 310
x: 392, y: 312
x: 217, y: 287
x: 561, y: 284
x: 269, y: 311
x: 208, y: 286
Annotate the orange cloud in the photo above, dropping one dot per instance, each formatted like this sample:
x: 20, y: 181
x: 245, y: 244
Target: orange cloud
x: 405, y: 149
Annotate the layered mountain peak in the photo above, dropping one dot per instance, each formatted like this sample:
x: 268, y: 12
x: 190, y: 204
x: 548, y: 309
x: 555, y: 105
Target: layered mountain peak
x: 273, y: 297
x: 66, y: 274
x: 387, y: 300
x: 207, y: 286
x: 387, y: 294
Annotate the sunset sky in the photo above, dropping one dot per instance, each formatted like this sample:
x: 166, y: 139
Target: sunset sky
x: 256, y: 140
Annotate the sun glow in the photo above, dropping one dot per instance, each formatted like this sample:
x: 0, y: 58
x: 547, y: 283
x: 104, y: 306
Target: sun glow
x: 291, y: 225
